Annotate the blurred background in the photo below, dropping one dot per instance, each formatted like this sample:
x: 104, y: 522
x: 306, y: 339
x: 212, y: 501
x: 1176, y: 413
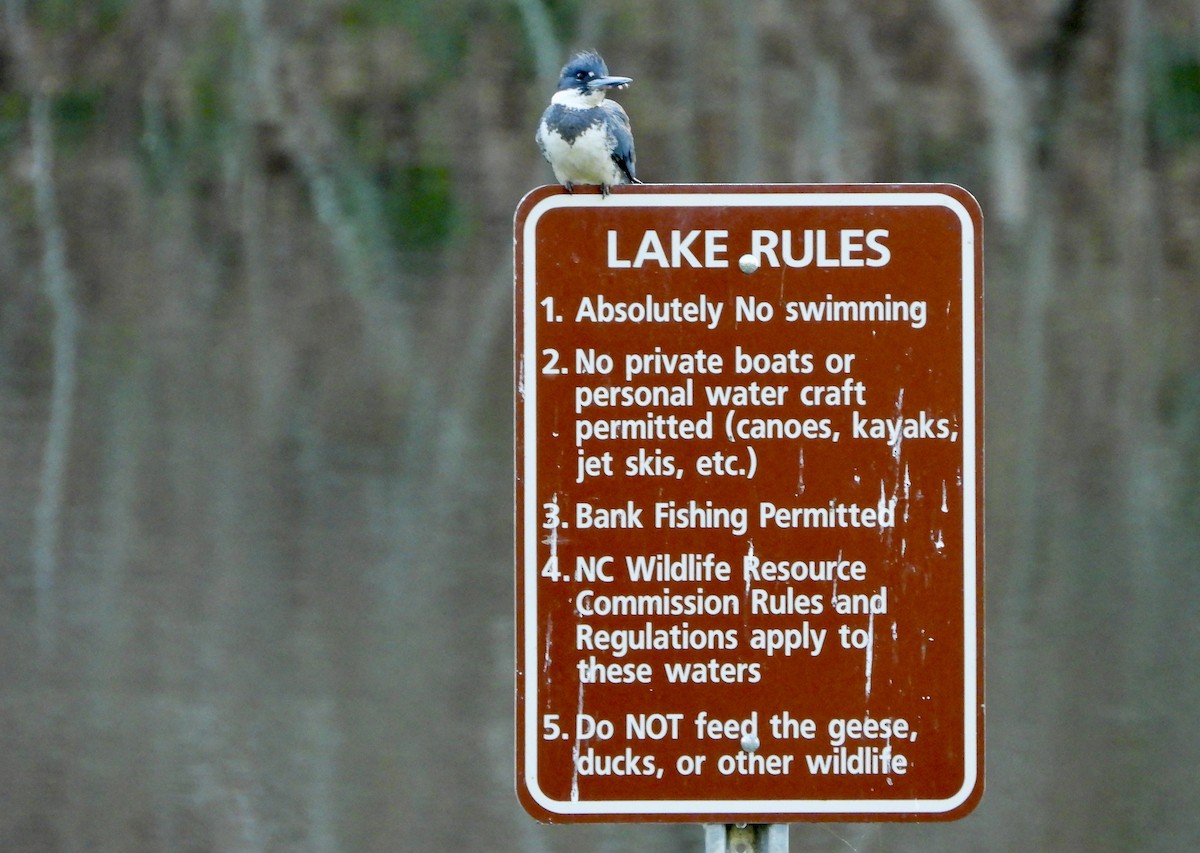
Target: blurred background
x: 256, y: 382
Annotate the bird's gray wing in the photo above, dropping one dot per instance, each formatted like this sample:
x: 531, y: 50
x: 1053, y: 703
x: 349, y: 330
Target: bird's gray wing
x: 622, y: 134
x: 537, y: 137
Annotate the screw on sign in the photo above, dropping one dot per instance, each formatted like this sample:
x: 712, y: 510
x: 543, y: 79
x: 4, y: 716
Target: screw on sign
x: 749, y: 503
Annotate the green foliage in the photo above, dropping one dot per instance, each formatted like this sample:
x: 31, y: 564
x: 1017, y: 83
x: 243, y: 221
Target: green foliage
x: 14, y: 113
x: 439, y: 27
x: 210, y: 76
x: 564, y: 18
x: 941, y: 158
x: 418, y: 205
x: 188, y: 142
x: 1174, y: 92
x: 62, y: 15
x: 76, y: 113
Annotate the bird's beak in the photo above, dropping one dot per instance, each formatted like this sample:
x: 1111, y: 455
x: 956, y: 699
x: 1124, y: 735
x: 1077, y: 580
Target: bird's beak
x: 609, y: 82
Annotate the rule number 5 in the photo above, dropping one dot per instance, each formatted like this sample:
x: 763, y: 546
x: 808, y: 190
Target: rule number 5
x: 550, y: 728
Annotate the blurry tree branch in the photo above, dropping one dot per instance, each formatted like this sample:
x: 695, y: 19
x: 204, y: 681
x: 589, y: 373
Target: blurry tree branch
x: 308, y: 136
x: 748, y: 112
x: 1005, y: 104
x: 341, y: 197
x: 57, y: 281
x: 1139, y: 226
x: 686, y: 54
x: 59, y: 291
x: 827, y: 116
x: 547, y: 52
x: 1060, y: 51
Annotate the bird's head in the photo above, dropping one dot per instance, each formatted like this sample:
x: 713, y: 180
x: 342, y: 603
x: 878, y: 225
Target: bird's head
x: 586, y: 76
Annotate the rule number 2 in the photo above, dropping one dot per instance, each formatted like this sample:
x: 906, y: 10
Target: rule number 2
x: 550, y: 366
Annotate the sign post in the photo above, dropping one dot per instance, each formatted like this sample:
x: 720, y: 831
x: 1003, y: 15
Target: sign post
x: 749, y: 503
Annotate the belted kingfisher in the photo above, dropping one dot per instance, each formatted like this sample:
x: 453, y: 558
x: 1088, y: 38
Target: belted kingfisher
x: 585, y: 138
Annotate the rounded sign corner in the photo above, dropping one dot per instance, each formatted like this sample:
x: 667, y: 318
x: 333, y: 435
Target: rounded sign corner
x: 966, y: 800
x: 967, y: 199
x: 533, y: 198
x: 534, y: 800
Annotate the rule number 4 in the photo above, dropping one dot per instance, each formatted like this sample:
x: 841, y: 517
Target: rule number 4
x: 550, y: 569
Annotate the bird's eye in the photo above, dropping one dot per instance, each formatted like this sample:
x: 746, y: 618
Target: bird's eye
x: 582, y: 75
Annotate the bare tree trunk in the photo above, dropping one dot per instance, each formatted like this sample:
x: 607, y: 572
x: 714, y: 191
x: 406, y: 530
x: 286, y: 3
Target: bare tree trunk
x: 547, y: 50
x: 686, y: 46
x: 1004, y: 102
x: 58, y: 286
x: 748, y: 112
x: 827, y: 117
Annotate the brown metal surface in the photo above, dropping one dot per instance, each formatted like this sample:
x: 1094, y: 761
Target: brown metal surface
x: 749, y: 503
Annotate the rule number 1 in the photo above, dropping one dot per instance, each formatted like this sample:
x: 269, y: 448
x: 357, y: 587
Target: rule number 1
x: 548, y: 304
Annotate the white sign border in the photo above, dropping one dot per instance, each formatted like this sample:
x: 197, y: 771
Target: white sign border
x: 528, y: 381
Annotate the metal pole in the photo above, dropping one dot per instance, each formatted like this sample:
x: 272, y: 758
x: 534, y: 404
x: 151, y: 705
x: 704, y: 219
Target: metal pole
x: 746, y: 838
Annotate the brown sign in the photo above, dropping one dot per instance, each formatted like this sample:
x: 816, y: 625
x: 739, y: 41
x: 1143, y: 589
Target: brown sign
x: 749, y: 527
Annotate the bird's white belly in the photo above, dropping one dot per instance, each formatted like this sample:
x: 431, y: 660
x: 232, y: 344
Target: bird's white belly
x: 586, y: 161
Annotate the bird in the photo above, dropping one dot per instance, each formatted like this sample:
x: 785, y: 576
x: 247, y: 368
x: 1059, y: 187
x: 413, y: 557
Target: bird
x: 585, y: 137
